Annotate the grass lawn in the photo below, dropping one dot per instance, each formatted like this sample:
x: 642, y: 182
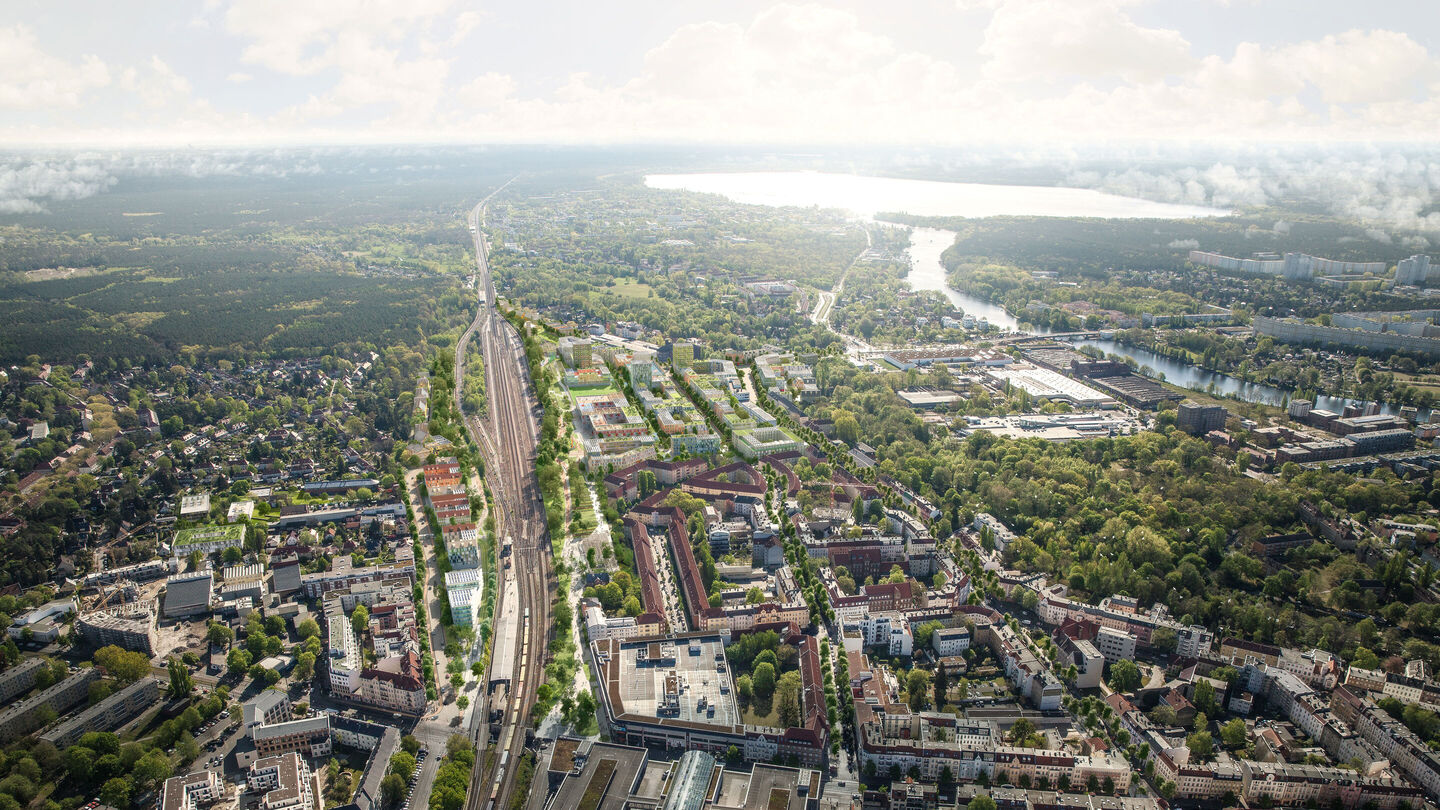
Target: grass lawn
x: 630, y: 289
x: 760, y: 713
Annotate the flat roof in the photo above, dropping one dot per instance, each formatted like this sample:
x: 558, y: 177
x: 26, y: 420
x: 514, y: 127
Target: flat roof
x: 192, y: 592
x: 605, y: 781
x: 639, y: 689
x: 220, y: 532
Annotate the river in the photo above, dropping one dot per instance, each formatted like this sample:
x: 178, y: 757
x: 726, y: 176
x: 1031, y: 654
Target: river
x: 928, y: 273
x: 867, y: 196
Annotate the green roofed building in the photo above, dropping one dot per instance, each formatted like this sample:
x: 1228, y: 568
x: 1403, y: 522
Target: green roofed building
x: 208, y: 539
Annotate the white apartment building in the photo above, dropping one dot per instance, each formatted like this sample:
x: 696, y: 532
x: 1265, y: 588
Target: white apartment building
x: 1115, y: 645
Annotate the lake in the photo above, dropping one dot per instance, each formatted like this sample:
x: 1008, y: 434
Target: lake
x: 866, y: 196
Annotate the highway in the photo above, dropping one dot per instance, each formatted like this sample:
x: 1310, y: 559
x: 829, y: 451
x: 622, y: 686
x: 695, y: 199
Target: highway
x: 507, y: 436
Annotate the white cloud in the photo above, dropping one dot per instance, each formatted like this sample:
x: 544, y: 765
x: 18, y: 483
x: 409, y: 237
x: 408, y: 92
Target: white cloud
x: 1045, y: 39
x: 30, y: 78
x: 239, y: 77
x: 26, y: 187
x: 1390, y: 191
x: 1184, y: 244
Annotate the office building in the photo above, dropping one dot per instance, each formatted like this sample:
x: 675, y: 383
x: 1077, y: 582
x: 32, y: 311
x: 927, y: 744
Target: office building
x: 1197, y: 419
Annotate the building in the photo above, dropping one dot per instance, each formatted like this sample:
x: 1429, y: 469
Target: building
x: 462, y: 545
x: 889, y: 631
x: 208, y: 539
x: 287, y: 782
x: 950, y: 641
x: 130, y: 627
x: 999, y: 532
x: 1413, y: 272
x: 109, y: 714
x: 644, y: 703
x: 1197, y: 419
x: 396, y: 684
x: 243, y: 582
x: 190, y: 791
x: 576, y: 352
x: 1115, y: 645
x: 1287, y: 784
x: 608, y: 776
x: 361, y: 735
x: 309, y: 736
x: 195, y: 506
x: 462, y: 592
x: 188, y: 594
x: 683, y: 353
x: 1193, y: 641
x: 598, y: 625
x: 1043, y: 383
x: 22, y: 718
x: 268, y: 708
x: 1295, y: 331
x: 19, y: 679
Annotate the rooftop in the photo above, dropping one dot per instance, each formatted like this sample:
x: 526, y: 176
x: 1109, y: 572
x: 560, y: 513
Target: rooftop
x: 647, y: 680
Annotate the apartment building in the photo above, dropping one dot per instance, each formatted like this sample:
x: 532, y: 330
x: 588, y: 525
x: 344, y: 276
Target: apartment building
x: 19, y: 679
x: 190, y: 791
x: 115, y: 711
x: 287, y: 782
x: 309, y: 736
x: 1115, y: 645
x: 24, y: 717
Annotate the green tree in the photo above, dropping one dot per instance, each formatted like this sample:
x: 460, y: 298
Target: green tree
x: 392, y: 789
x: 79, y: 763
x: 917, y: 689
x: 981, y: 801
x: 305, y: 666
x: 122, y: 665
x: 402, y: 763
x: 219, y: 635
x: 1233, y: 733
x: 360, y: 619
x: 308, y: 628
x: 763, y: 680
x: 116, y: 792
x: 180, y: 681
x: 1124, y: 676
x: 1201, y: 744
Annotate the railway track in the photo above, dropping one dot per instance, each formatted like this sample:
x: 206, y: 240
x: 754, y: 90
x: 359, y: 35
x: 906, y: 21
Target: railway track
x: 507, y: 437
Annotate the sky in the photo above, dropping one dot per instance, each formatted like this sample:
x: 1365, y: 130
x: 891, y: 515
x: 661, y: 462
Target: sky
x: 922, y: 72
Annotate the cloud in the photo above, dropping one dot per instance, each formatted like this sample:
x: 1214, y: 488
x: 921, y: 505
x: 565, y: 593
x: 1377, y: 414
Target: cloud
x: 29, y: 184
x: 1046, y: 39
x: 362, y: 42
x: 794, y: 72
x: 1378, y: 235
x: 25, y: 186
x: 1393, y: 190
x: 1184, y: 244
x: 33, y: 79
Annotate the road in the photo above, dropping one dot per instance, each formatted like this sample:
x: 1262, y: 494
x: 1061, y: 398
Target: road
x: 507, y: 436
x: 825, y: 305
